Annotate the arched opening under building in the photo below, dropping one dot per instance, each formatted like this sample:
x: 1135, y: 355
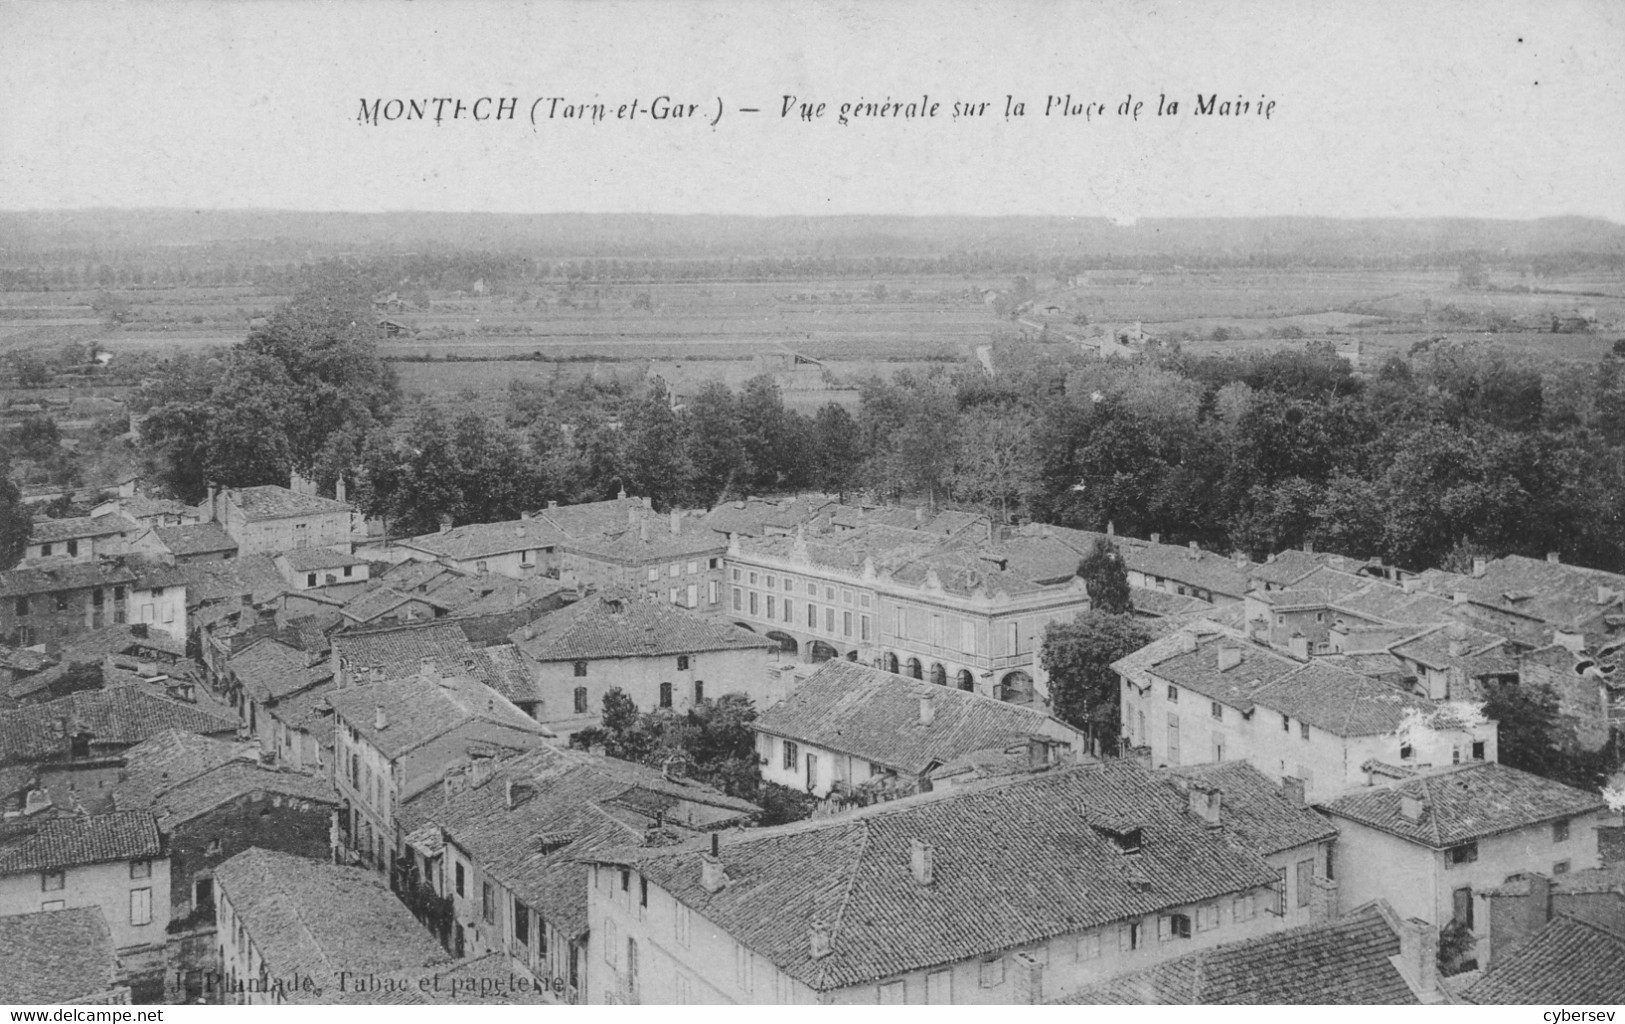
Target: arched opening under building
x: 939, y: 675
x: 889, y: 663
x: 745, y: 625
x: 787, y: 643
x: 820, y: 651
x: 852, y: 655
x: 966, y: 681
x: 914, y: 670
x: 1017, y: 688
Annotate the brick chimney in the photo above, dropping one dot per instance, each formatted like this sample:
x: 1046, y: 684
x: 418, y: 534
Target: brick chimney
x: 643, y: 530
x: 1206, y: 803
x: 1229, y: 657
x: 819, y: 941
x: 676, y: 522
x: 1028, y: 979
x: 922, y: 858
x: 712, y: 877
x: 380, y: 721
x: 1419, y: 955
x: 928, y: 710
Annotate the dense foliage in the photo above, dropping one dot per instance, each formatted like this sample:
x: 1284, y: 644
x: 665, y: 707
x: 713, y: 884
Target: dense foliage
x: 1078, y: 655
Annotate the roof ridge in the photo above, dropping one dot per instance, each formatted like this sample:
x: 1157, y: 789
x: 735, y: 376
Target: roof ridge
x: 846, y: 894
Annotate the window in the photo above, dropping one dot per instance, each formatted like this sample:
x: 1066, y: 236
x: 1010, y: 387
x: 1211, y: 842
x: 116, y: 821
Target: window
x: 1560, y: 868
x: 682, y: 663
x: 772, y: 582
x: 715, y: 563
x: 829, y: 593
x: 788, y: 612
x: 711, y: 592
x: 681, y: 924
x: 812, y: 616
x: 140, y: 869
x: 891, y: 994
x: 753, y: 602
x: 1303, y: 730
x: 1286, y: 723
x: 460, y: 880
x: 488, y: 903
x: 772, y: 607
x: 643, y: 891
x: 1278, y: 894
x: 992, y: 972
x: 52, y: 881
x: 752, y: 579
x: 73, y: 547
x: 1560, y: 831
x: 62, y: 601
x: 653, y: 574
x: 1173, y: 695
x: 1405, y: 752
x: 699, y: 690
x: 791, y: 757
x: 310, y: 579
x: 521, y: 923
x: 581, y: 700
x: 1461, y: 902
x: 1207, y: 917
x: 580, y: 669
x: 665, y: 695
x: 22, y: 606
x: 140, y: 907
x: 863, y: 627
x: 1173, y: 926
x: 1130, y: 937
x: 676, y: 595
x: 44, y: 549
x: 739, y: 600
x: 1089, y: 946
x: 1466, y: 853
x: 348, y: 570
x: 676, y: 569
x: 1478, y: 750
x: 1217, y: 711
x: 812, y: 589
x: 1244, y: 908
x: 846, y: 623
x: 611, y: 943
x: 1306, y: 881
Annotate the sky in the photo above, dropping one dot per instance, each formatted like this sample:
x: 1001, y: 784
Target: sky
x: 1381, y: 109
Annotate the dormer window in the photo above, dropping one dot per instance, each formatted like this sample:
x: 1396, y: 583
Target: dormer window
x: 1173, y: 694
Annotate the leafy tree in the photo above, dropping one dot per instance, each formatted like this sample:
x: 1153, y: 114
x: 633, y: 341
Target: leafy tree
x: 37, y: 437
x: 1078, y: 655
x: 1106, y: 575
x: 1456, y: 943
x: 654, y: 452
x: 15, y: 522
x: 715, y: 447
x: 836, y: 449
x: 994, y: 465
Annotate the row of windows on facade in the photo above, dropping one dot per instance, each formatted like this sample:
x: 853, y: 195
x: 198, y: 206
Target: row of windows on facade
x: 675, y: 569
x: 140, y: 899
x: 746, y: 602
x: 684, y: 662
x: 523, y: 921
x: 788, y: 585
x: 666, y: 695
x: 98, y: 599
x: 310, y: 577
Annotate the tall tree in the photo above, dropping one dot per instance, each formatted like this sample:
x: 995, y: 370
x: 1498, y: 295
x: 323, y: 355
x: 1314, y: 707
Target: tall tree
x: 15, y: 522
x: 1106, y: 575
x: 1078, y: 655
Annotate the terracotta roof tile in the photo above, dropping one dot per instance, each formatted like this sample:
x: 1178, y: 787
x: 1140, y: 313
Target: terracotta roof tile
x: 273, y: 502
x: 73, y: 839
x: 1567, y: 962
x: 57, y: 956
x: 619, y: 624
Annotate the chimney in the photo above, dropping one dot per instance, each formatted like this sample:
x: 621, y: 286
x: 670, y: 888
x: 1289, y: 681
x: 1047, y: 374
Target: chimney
x: 1111, y: 528
x: 1292, y: 789
x: 1205, y: 803
x: 1410, y: 807
x: 1606, y: 594
x: 1195, y: 552
x: 1156, y: 538
x: 919, y: 514
x: 1037, y: 753
x: 428, y: 669
x: 922, y: 858
x: 1229, y: 657
x: 1479, y: 567
x: 214, y: 504
x: 643, y: 530
x: 928, y: 710
x: 819, y: 940
x: 339, y: 490
x: 1419, y: 955
x: 1552, y: 557
x: 552, y: 504
x: 631, y: 515
x: 712, y: 876
x: 676, y: 522
x: 621, y: 495
x: 1308, y: 547
x: 445, y: 523
x: 1411, y: 585
x: 1028, y: 979
x: 481, y: 772
x: 1240, y: 557
x: 380, y: 721
x: 375, y: 673
x: 1298, y: 646
x: 1457, y: 647
x: 518, y: 792
x: 1459, y: 597
x: 1187, y: 641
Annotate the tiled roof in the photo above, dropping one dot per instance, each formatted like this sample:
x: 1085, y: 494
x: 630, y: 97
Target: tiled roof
x: 1478, y: 649
x: 63, y: 576
x: 113, y: 716
x: 400, y: 650
x: 1339, y: 962
x: 1016, y: 862
x: 48, y: 531
x: 252, y: 576
x: 1199, y: 670
x: 1566, y: 596
x: 534, y: 847
x: 1160, y: 603
x: 273, y: 502
x: 650, y: 538
x: 172, y: 757
x: 1255, y: 808
x: 56, y: 956
x: 308, y: 710
x: 1215, y: 573
x: 270, y: 669
x: 493, y: 594
x: 1568, y: 962
x: 74, y: 839
x: 619, y: 624
x: 756, y: 516
x: 199, y: 539
x: 376, y: 603
x: 875, y: 715
x: 481, y: 540
x: 203, y: 793
x: 412, y: 575
x: 312, y: 559
x: 503, y: 670
x: 1287, y: 567
x: 1392, y: 604
x: 1340, y: 701
x: 317, y: 919
x: 418, y: 709
x: 590, y: 518
x: 1463, y: 803
x: 21, y: 659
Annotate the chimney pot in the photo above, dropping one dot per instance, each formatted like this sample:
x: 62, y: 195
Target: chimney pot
x: 928, y: 710
x: 1037, y: 752
x: 1480, y: 566
x: 1553, y: 557
x: 1292, y: 788
x: 380, y: 721
x: 922, y: 861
